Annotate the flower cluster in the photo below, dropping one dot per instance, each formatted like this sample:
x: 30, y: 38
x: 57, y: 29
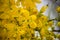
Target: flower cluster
x: 17, y: 23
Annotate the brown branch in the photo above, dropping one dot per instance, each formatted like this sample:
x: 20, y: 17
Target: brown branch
x: 56, y: 30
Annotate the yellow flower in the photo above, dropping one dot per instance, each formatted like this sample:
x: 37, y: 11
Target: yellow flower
x: 14, y: 11
x: 31, y: 31
x: 4, y: 22
x: 58, y: 24
x: 33, y: 24
x: 43, y: 18
x: 25, y: 24
x: 21, y: 32
x: 37, y: 1
x: 34, y: 11
x: 50, y: 23
x: 43, y: 9
x: 24, y: 13
x: 10, y: 26
x: 58, y: 9
x: 29, y: 3
x: 39, y: 24
x: 12, y: 2
x: 42, y: 32
x: 4, y: 16
x: 33, y: 17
